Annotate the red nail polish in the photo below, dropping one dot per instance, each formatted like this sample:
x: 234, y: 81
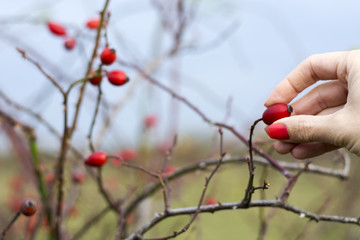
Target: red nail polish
x: 278, y: 131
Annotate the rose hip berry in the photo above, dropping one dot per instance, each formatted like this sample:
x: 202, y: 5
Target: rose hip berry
x: 28, y: 207
x: 117, y: 77
x: 150, y: 120
x: 93, y: 23
x: 108, y: 56
x: 95, y: 78
x: 96, y: 159
x: 77, y: 176
x: 56, y: 28
x: 169, y: 170
x: 211, y: 200
x: 70, y: 43
x: 276, y: 112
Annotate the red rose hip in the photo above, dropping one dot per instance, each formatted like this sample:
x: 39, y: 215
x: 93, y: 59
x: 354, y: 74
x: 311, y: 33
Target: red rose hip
x: 211, y: 200
x: 95, y: 78
x: 77, y: 176
x: 276, y: 112
x: 93, y: 23
x: 108, y: 56
x: 28, y: 207
x: 70, y: 43
x: 96, y: 159
x: 117, y: 77
x: 57, y: 29
x: 150, y: 120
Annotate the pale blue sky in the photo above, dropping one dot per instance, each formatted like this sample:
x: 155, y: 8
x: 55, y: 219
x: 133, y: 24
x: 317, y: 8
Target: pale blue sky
x: 270, y: 39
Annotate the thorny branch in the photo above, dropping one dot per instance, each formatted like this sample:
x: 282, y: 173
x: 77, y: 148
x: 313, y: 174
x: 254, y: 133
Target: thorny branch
x: 52, y: 80
x: 68, y: 131
x: 163, y: 176
x: 152, y: 188
x: 271, y: 160
x: 198, y: 208
x: 3, y: 233
x: 91, y: 145
x: 250, y: 188
x: 242, y: 205
x: 39, y: 118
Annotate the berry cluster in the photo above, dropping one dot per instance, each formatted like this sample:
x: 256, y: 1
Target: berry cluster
x: 59, y: 30
x: 107, y: 56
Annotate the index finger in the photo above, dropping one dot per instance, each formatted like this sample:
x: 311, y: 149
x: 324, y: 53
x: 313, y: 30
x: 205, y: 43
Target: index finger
x: 327, y: 66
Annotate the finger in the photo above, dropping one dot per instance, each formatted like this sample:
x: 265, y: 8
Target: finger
x: 309, y: 150
x: 324, y: 96
x: 328, y: 66
x: 328, y: 111
x: 283, y: 147
x: 332, y: 129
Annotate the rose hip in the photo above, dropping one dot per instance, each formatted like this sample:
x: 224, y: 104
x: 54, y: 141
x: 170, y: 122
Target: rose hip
x: 57, y: 29
x: 211, y: 200
x: 96, y: 159
x: 70, y: 43
x: 276, y: 112
x: 95, y: 78
x: 28, y: 207
x: 117, y: 77
x: 77, y: 176
x: 93, y: 23
x: 150, y: 120
x: 108, y: 56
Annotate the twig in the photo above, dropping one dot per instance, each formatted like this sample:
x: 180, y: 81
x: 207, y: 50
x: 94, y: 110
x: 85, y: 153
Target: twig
x: 52, y: 80
x: 152, y: 188
x: 241, y: 205
x: 142, y: 169
x: 292, y: 181
x: 37, y: 116
x: 250, y: 188
x: 89, y: 67
x: 91, y: 145
x: 122, y: 214
x: 68, y: 131
x: 104, y: 193
x: 90, y: 223
x: 213, y: 43
x: 9, y: 225
x: 205, y: 118
x: 149, y: 68
x: 35, y: 157
x: 163, y: 176
x: 198, y: 208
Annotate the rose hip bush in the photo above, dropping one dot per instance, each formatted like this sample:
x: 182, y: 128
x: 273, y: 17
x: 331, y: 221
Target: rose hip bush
x: 99, y: 184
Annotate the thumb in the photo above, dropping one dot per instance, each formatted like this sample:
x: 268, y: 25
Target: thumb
x: 306, y: 128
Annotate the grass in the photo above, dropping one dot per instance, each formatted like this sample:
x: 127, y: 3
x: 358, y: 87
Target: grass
x: 312, y: 193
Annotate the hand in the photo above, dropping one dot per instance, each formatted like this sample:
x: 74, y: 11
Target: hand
x: 326, y: 118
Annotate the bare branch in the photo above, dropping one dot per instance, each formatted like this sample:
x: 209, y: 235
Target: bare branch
x: 52, y: 80
x: 242, y: 205
x: 205, y: 118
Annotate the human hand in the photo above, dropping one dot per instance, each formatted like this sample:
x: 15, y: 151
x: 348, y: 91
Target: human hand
x: 326, y: 118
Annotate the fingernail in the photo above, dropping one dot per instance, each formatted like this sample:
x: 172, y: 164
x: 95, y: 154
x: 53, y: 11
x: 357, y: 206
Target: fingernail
x: 278, y: 131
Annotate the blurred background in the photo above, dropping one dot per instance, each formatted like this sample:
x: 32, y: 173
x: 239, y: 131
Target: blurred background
x: 232, y: 54
x: 237, y: 53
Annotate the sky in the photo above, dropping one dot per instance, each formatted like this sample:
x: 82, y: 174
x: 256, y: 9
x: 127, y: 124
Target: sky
x: 246, y: 49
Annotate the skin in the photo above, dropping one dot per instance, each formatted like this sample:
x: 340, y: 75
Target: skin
x: 327, y: 117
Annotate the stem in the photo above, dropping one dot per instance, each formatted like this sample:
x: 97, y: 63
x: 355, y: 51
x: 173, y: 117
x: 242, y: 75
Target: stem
x: 91, y: 62
x: 91, y: 145
x: 9, y: 226
x: 250, y: 189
